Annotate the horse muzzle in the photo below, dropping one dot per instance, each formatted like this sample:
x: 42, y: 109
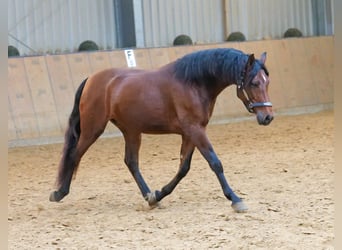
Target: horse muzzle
x: 264, y: 118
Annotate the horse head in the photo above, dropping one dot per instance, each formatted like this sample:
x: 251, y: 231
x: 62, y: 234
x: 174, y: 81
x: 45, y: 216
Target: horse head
x: 254, y: 82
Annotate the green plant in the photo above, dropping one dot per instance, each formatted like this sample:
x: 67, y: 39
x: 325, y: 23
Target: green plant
x: 182, y: 40
x: 13, y: 51
x: 88, y: 45
x: 293, y: 32
x: 236, y: 36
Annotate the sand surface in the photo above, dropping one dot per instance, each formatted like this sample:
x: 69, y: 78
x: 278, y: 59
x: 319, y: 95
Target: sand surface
x: 284, y: 173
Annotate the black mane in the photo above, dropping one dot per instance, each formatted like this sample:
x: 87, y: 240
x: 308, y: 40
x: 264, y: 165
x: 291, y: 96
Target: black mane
x: 212, y: 65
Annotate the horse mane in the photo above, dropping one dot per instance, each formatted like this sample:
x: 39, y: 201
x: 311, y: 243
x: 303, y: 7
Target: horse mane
x: 212, y: 65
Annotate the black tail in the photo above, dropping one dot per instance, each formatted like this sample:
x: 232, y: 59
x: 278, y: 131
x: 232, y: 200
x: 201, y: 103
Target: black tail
x: 69, y: 163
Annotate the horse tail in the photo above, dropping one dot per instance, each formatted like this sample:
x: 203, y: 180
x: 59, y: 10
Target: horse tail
x: 69, y: 161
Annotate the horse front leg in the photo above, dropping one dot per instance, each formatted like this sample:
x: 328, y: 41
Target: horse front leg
x: 187, y: 150
x: 132, y: 147
x: 215, y: 164
x: 206, y: 149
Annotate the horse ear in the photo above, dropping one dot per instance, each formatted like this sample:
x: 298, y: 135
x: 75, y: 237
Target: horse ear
x: 250, y: 62
x: 263, y: 58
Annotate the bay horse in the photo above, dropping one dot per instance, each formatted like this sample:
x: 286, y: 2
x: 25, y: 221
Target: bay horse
x: 177, y: 98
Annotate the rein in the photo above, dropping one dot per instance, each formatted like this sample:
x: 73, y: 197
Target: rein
x: 243, y: 97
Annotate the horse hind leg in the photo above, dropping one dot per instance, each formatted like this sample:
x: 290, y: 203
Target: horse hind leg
x: 132, y: 146
x: 187, y: 150
x: 74, y: 148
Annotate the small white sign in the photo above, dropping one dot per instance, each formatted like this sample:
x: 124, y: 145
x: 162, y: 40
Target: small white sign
x: 130, y: 59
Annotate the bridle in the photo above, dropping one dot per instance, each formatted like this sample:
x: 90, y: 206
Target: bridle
x: 240, y: 91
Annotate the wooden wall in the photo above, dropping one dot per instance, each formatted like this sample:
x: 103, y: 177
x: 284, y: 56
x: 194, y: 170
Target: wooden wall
x: 41, y: 89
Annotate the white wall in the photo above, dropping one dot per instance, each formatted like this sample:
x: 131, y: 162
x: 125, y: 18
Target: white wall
x: 58, y: 26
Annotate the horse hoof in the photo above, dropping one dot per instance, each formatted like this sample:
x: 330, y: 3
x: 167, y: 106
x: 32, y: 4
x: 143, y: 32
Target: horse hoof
x: 151, y: 199
x: 55, y: 197
x: 239, y: 207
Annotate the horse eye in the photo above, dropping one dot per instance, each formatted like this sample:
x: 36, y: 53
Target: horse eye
x: 254, y: 84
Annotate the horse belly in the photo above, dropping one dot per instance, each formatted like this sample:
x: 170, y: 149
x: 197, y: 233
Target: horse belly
x: 155, y: 117
x: 146, y: 112
x: 159, y: 125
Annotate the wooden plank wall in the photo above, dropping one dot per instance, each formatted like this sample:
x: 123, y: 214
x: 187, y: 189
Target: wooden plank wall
x: 41, y: 89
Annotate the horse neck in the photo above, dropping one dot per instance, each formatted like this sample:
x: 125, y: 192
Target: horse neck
x: 219, y: 84
x: 230, y: 74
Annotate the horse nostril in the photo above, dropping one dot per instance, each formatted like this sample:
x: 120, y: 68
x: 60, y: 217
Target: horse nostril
x: 264, y: 119
x: 268, y: 119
